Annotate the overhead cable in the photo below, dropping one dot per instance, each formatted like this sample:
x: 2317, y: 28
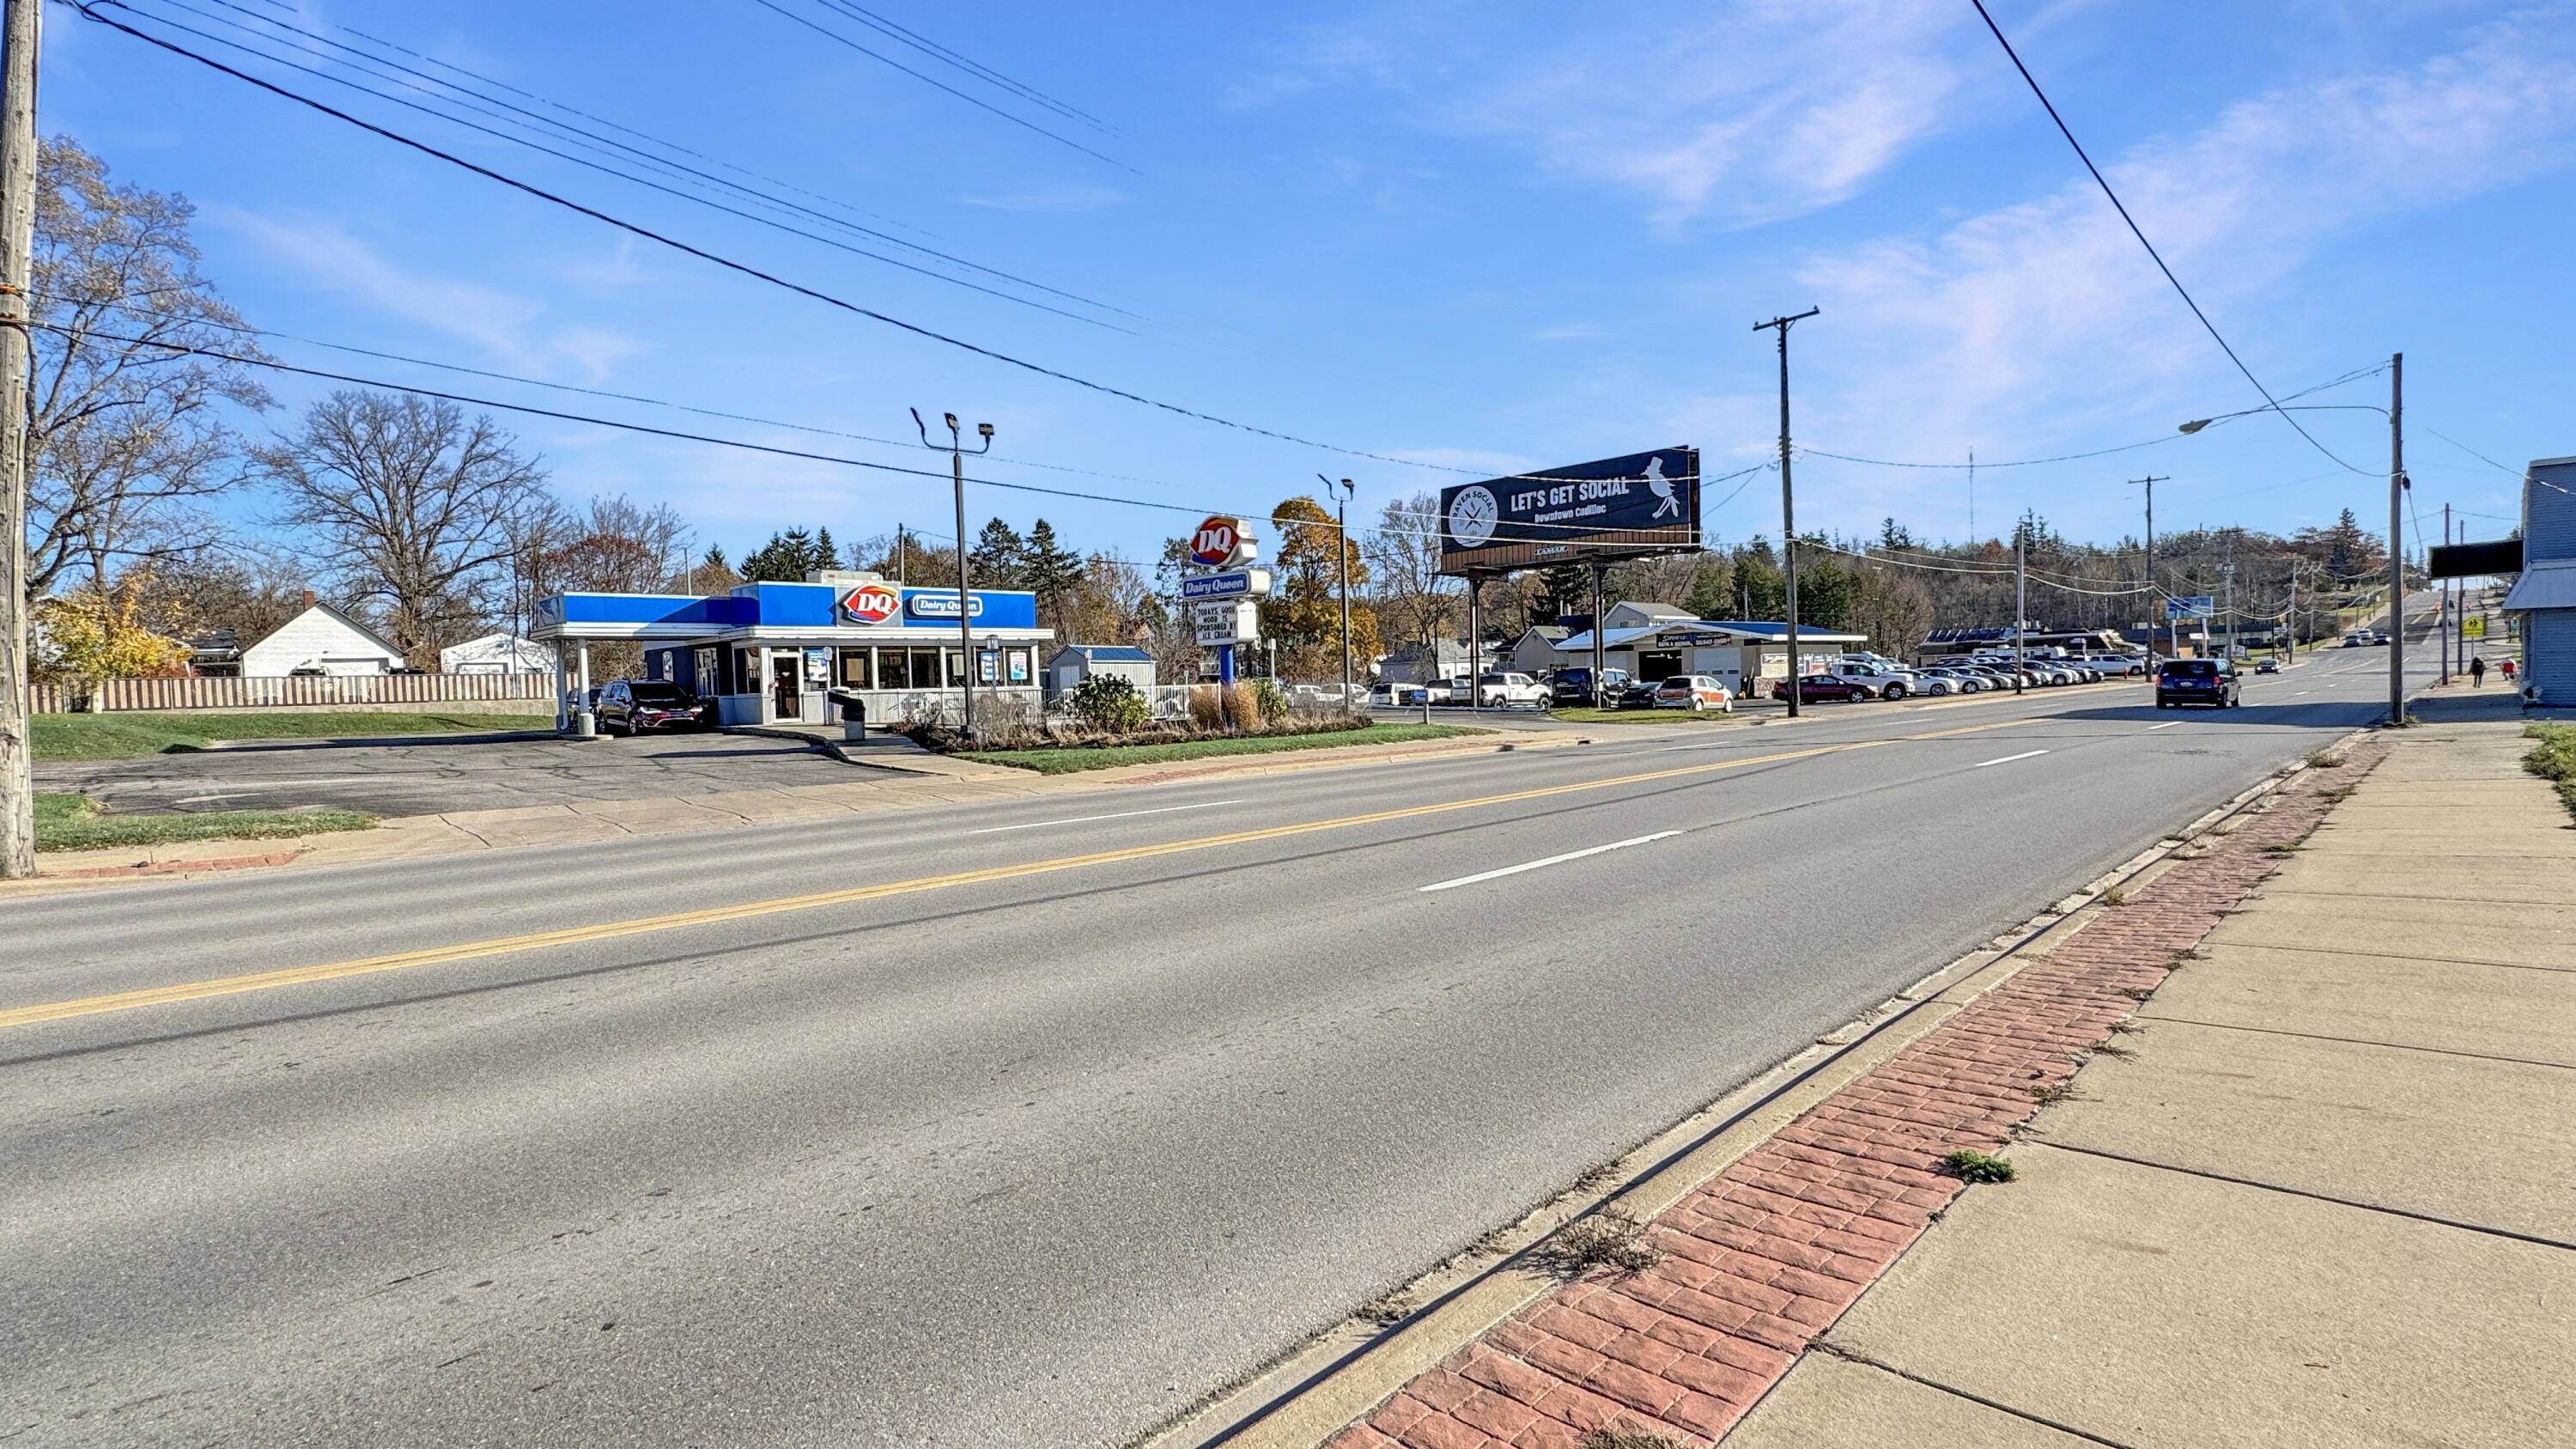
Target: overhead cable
x: 2134, y: 230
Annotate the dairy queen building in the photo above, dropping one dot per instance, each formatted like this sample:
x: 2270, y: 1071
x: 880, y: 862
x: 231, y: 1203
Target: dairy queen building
x: 775, y: 653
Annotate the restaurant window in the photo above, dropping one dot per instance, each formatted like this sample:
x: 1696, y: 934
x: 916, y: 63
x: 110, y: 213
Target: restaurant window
x: 704, y: 659
x: 956, y: 667
x: 894, y: 669
x: 854, y: 669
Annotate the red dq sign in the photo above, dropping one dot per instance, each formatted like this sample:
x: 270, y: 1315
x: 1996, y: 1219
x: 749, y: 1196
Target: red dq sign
x: 1213, y: 545
x: 872, y: 604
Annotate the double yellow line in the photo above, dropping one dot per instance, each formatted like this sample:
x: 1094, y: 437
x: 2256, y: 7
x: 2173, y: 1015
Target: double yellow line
x: 748, y: 910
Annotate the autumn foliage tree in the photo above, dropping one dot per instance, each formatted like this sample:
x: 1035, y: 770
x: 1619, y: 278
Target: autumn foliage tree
x: 98, y: 632
x: 1305, y: 614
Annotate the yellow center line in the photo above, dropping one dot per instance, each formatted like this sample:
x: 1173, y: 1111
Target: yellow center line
x: 747, y: 910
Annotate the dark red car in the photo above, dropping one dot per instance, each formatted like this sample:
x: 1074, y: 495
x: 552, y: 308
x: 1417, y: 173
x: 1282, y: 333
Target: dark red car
x: 1825, y: 686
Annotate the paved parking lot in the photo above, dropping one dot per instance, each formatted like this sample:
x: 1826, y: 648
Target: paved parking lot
x: 435, y: 775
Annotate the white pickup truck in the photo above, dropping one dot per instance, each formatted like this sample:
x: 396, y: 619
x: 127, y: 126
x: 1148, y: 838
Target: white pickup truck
x: 1492, y: 691
x: 1885, y: 683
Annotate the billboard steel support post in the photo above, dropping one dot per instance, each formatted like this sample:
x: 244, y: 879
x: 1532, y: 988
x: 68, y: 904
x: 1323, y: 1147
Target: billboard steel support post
x: 2396, y: 539
x: 1475, y: 643
x: 1788, y: 510
x: 1600, y: 651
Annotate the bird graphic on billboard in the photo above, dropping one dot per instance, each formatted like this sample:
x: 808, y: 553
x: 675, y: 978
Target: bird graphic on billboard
x: 1662, y: 487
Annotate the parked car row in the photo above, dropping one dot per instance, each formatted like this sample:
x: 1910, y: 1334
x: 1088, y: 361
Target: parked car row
x: 1502, y: 690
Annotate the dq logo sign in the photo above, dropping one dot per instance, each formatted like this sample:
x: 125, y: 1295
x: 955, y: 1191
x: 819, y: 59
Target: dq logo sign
x: 871, y: 604
x: 1213, y: 545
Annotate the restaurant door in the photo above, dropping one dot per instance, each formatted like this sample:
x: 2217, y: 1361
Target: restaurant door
x: 786, y: 685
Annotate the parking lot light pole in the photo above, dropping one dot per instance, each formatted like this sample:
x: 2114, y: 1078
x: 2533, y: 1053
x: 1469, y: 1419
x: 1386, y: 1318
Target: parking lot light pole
x: 1342, y: 538
x: 965, y: 601
x: 1788, y: 512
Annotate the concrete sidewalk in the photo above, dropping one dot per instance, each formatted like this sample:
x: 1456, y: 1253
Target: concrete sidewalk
x: 2325, y: 1195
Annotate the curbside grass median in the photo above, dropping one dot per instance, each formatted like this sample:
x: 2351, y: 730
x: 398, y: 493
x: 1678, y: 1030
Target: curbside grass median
x: 135, y: 735
x: 2555, y: 758
x: 76, y: 822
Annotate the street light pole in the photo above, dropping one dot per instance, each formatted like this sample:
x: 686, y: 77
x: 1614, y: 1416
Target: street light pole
x: 1342, y: 541
x: 2154, y: 593
x: 1788, y: 511
x: 965, y: 600
x: 2396, y: 539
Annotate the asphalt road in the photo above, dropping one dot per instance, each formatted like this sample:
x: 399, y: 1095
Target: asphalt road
x: 1085, y: 1110
x: 432, y: 775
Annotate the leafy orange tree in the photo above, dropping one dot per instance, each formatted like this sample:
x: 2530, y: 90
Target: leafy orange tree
x: 1305, y: 613
x: 96, y: 632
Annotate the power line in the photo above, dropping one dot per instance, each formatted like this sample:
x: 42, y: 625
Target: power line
x: 2116, y: 205
x: 883, y: 58
x: 85, y: 7
x: 640, y: 155
x: 933, y: 48
x: 705, y: 201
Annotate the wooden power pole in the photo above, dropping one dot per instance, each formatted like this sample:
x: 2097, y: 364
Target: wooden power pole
x: 17, y: 363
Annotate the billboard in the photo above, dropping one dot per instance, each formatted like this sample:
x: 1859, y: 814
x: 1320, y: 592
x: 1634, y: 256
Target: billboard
x: 1618, y: 507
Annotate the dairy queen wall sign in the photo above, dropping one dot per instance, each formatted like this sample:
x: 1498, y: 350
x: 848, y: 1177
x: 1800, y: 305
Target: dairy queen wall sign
x: 1643, y: 503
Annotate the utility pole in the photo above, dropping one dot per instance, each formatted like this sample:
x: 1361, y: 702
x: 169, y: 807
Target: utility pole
x: 1342, y: 539
x: 965, y: 599
x: 2290, y: 645
x: 902, y: 558
x: 1788, y: 510
x: 17, y: 363
x: 2155, y: 594
x: 2021, y: 596
x: 2228, y: 573
x: 2459, y: 595
x: 2396, y: 538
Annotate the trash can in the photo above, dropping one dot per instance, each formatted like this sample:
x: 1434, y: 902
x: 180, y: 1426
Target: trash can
x: 854, y: 715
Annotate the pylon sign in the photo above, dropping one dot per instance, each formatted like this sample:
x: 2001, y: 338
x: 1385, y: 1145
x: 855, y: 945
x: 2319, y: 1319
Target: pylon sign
x: 2196, y: 606
x: 1223, y: 543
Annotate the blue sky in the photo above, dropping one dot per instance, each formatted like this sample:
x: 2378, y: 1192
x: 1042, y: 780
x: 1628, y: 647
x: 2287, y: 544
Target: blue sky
x: 1471, y: 235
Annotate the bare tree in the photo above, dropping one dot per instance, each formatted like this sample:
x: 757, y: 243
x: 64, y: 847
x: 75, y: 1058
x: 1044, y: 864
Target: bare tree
x: 408, y: 505
x: 125, y: 435
x: 1404, y: 554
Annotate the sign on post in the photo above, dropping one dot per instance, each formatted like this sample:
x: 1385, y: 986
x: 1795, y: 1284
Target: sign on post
x: 2474, y: 627
x: 1225, y: 584
x: 1234, y: 622
x: 1644, y: 503
x: 2197, y: 606
x: 1221, y: 543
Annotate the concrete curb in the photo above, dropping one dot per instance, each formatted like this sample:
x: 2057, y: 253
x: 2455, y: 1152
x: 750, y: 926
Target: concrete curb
x: 1327, y: 1385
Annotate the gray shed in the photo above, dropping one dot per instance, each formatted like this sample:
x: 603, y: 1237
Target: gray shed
x: 1066, y: 667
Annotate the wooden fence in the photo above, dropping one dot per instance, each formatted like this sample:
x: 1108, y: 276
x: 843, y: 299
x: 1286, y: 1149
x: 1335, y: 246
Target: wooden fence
x: 203, y: 692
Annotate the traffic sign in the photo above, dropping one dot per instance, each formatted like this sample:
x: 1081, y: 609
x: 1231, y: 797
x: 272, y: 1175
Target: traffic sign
x: 1226, y: 584
x: 2474, y: 627
x: 2197, y: 606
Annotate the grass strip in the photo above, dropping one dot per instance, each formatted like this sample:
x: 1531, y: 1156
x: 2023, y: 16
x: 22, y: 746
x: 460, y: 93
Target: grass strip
x: 76, y: 822
x: 136, y: 734
x: 1070, y: 759
x: 2555, y: 758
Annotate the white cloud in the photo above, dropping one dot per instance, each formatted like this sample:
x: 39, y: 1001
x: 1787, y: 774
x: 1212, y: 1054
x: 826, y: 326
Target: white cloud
x: 1056, y: 198
x: 1747, y: 112
x: 512, y: 330
x: 2046, y: 316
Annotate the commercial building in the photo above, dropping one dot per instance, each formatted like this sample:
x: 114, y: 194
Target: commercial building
x: 771, y: 653
x: 2545, y: 593
x: 1742, y: 654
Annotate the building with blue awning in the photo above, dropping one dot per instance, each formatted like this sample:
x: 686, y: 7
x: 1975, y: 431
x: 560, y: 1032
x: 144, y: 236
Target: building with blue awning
x: 773, y: 653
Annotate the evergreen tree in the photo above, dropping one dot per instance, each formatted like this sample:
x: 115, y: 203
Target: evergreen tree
x: 783, y: 559
x: 1892, y: 534
x: 1049, y: 571
x: 1761, y: 590
x: 1564, y: 589
x: 1712, y: 594
x: 826, y: 554
x: 999, y: 559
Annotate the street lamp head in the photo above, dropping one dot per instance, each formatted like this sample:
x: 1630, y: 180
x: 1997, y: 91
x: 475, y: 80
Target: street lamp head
x: 950, y: 419
x: 2195, y: 425
x: 986, y: 430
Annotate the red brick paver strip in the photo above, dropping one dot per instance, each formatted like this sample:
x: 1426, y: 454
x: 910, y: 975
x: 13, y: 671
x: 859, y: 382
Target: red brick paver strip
x: 1765, y: 1256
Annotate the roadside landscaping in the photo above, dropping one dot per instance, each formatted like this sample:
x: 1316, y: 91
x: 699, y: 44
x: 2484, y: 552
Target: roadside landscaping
x: 75, y: 822
x: 1067, y: 759
x: 136, y: 735
x: 2555, y: 759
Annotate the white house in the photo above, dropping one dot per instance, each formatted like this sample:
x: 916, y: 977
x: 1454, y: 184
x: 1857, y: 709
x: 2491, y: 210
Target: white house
x: 1066, y: 667
x: 321, y: 638
x: 496, y: 654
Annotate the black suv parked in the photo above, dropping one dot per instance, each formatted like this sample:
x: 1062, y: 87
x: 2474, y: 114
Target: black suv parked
x: 1574, y: 687
x: 636, y: 705
x: 2213, y: 682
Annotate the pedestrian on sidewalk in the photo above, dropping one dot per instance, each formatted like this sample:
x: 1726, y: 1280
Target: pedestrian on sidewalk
x: 2477, y: 670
